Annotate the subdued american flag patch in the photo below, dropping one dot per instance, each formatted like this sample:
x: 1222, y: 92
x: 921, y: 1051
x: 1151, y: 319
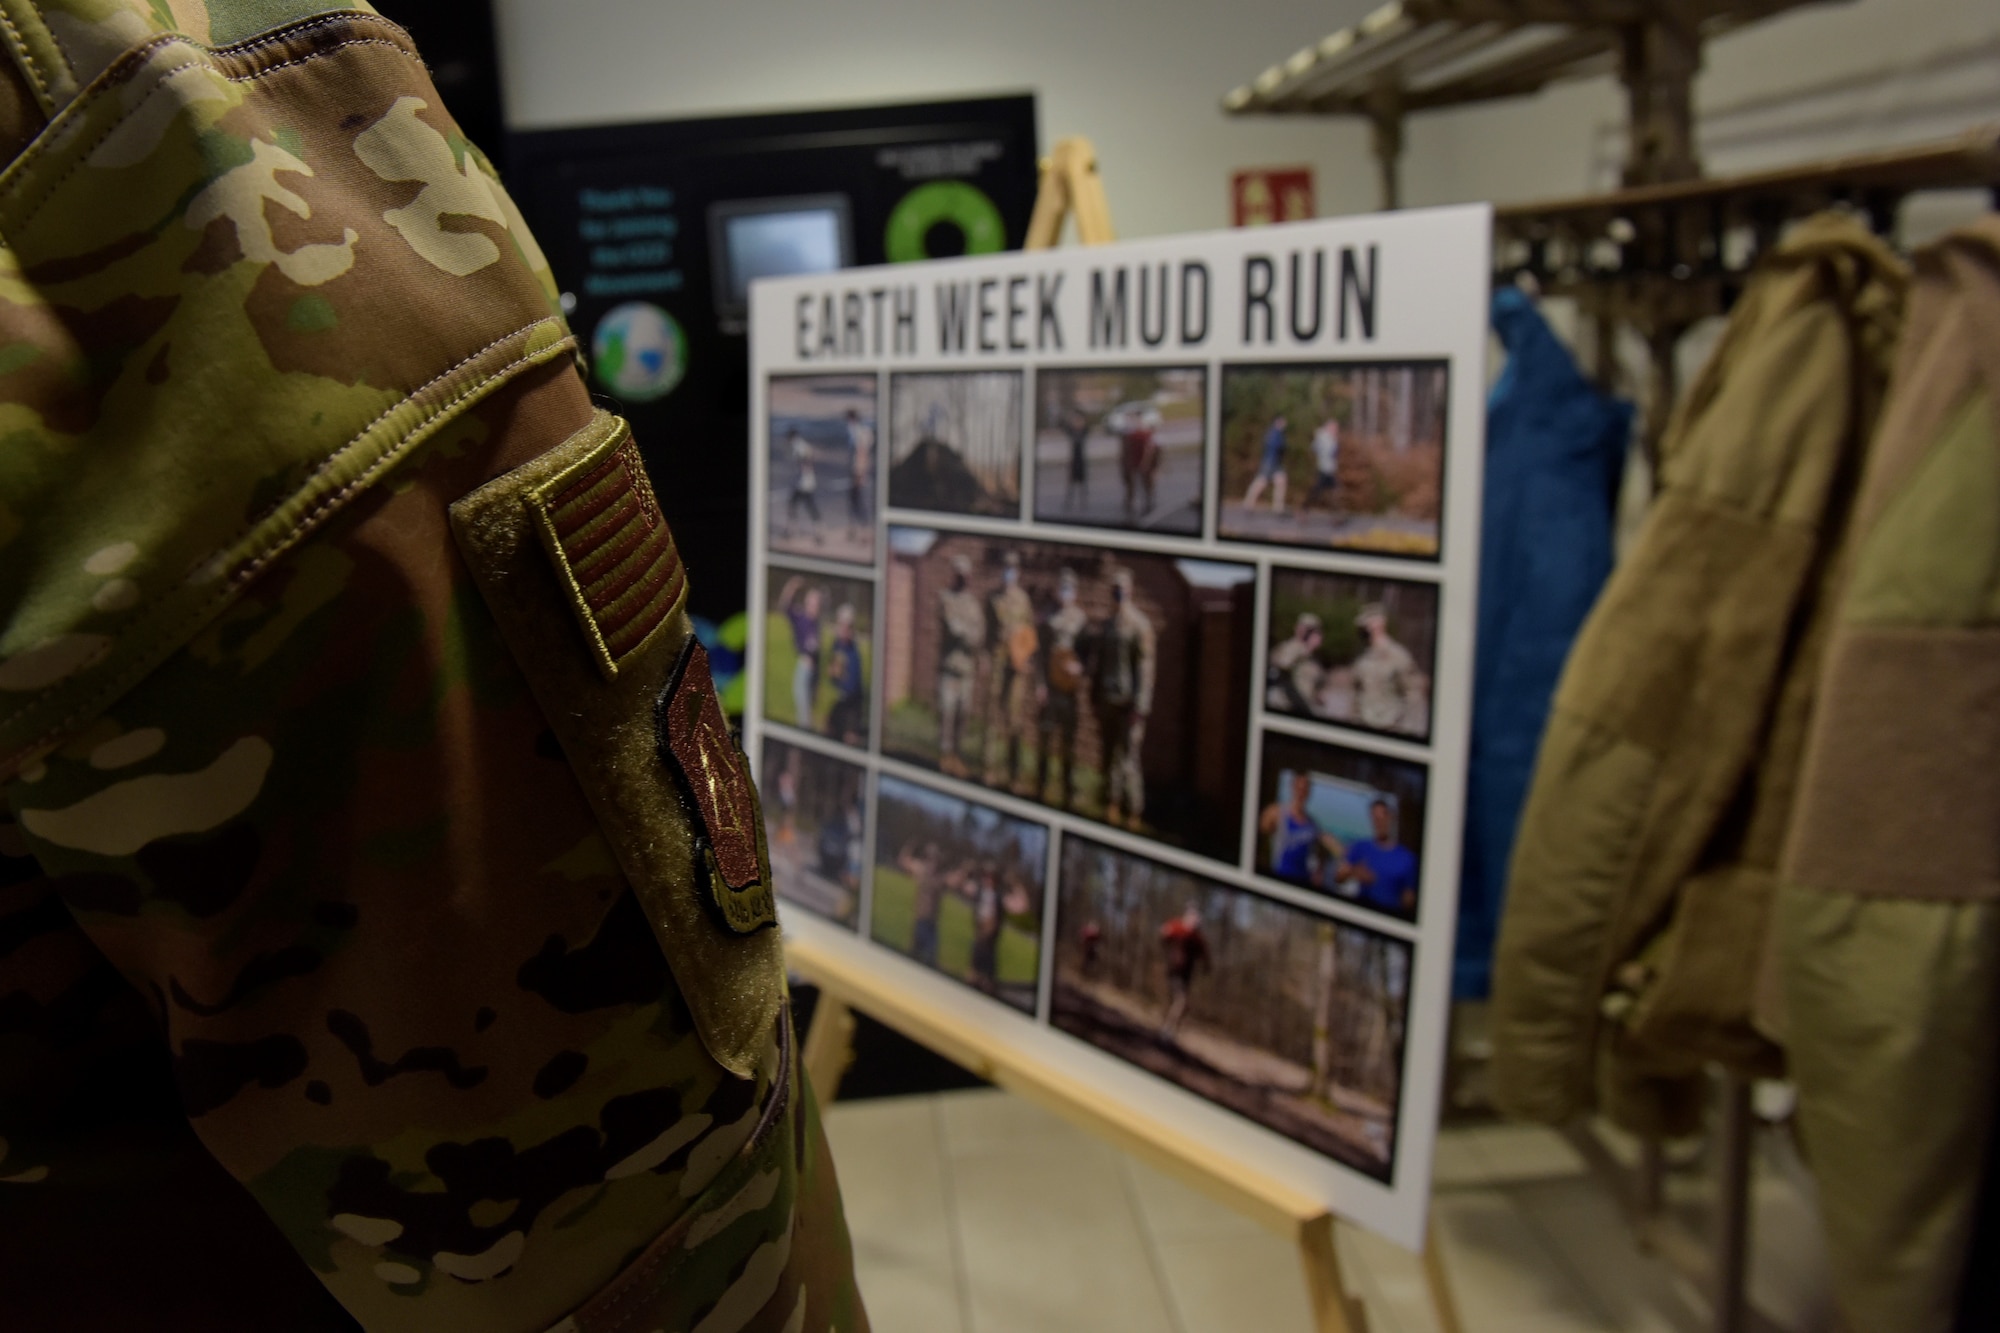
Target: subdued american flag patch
x: 601, y: 525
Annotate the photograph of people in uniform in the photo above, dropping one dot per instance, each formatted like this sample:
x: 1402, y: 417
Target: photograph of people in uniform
x: 821, y: 466
x: 1105, y: 683
x: 1355, y: 651
x: 1277, y: 1013
x: 955, y: 442
x: 958, y: 887
x: 818, y: 652
x: 815, y: 822
x: 1343, y: 823
x: 1121, y: 448
x: 1342, y: 457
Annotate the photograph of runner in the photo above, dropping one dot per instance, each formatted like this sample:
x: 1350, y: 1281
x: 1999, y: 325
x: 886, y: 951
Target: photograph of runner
x: 814, y: 820
x: 1355, y: 651
x: 1286, y: 1017
x: 958, y: 887
x: 1121, y: 448
x: 821, y: 466
x: 955, y: 442
x: 1342, y: 457
x: 1111, y: 684
x: 818, y: 651
x: 1343, y: 823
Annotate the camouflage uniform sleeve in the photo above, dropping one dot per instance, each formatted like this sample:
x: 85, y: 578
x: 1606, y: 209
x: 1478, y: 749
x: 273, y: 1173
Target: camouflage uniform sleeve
x: 373, y: 816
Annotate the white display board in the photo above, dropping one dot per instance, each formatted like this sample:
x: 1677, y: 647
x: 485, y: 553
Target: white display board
x: 1110, y: 666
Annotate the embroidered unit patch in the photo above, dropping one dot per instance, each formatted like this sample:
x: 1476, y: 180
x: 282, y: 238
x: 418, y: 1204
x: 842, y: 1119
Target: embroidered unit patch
x: 601, y: 524
x: 695, y: 741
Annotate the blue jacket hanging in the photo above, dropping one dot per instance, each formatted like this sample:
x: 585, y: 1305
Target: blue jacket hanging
x: 1555, y: 451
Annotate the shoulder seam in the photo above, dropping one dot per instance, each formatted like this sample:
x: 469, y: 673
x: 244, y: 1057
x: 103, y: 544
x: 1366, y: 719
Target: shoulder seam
x: 145, y: 52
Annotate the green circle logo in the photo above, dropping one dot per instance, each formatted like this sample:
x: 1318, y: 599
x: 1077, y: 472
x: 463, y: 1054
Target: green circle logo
x: 960, y: 203
x: 639, y: 352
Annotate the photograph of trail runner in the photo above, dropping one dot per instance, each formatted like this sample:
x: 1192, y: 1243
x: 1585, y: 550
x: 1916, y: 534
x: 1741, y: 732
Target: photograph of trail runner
x: 1342, y: 822
x: 815, y: 823
x: 1110, y: 684
x: 955, y: 442
x: 1121, y: 448
x: 821, y: 466
x: 958, y: 887
x: 1279, y: 1014
x: 1341, y: 457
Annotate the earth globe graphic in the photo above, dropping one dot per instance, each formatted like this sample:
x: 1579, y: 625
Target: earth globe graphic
x: 639, y: 351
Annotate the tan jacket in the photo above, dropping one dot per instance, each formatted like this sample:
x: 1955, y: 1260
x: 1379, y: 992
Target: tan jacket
x: 1889, y: 916
x: 1646, y: 862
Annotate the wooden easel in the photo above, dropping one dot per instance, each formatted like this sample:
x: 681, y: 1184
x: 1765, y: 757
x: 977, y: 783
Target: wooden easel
x: 1070, y: 186
x: 846, y: 987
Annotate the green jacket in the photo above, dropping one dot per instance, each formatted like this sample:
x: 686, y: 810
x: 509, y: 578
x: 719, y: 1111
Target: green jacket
x: 1633, y: 949
x: 382, y: 898
x: 1889, y: 916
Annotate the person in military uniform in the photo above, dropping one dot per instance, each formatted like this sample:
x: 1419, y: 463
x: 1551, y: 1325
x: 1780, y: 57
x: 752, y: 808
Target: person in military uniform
x: 1388, y: 688
x: 1065, y: 640
x: 1010, y: 701
x: 1122, y: 696
x: 1292, y: 674
x: 386, y: 929
x: 961, y: 639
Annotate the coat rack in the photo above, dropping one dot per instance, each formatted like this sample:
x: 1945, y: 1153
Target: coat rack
x: 1667, y: 251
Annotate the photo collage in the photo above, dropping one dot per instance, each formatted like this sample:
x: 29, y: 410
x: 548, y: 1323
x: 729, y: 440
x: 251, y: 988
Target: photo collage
x: 1107, y: 692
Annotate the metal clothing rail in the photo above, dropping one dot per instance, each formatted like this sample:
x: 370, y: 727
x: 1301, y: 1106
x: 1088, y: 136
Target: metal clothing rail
x: 1660, y: 258
x: 1700, y: 210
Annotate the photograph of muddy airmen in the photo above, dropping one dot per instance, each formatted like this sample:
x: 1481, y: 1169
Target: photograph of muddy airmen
x: 1110, y: 684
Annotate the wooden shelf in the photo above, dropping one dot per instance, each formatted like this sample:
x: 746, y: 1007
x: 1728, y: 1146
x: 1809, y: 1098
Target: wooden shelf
x: 1427, y: 54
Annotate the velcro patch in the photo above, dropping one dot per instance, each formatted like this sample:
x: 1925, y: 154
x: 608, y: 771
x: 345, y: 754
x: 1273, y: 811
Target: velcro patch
x: 695, y: 741
x: 601, y: 524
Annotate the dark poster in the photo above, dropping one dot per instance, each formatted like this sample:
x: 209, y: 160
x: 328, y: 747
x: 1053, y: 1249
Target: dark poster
x: 655, y: 231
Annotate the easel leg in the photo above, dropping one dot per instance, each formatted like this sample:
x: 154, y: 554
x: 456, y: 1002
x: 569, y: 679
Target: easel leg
x: 829, y: 1046
x: 1443, y: 1303
x: 1333, y: 1309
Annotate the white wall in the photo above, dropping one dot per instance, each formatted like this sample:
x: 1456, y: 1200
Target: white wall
x: 1144, y: 82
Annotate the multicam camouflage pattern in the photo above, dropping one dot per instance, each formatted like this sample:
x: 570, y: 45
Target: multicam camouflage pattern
x: 218, y: 255
x: 280, y: 791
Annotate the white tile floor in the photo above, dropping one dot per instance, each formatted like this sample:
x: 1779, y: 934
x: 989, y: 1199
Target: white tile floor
x: 975, y: 1212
